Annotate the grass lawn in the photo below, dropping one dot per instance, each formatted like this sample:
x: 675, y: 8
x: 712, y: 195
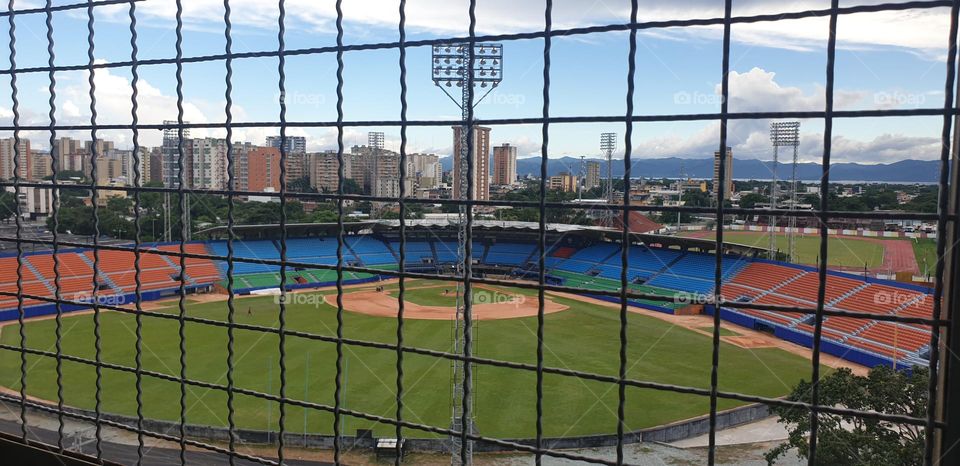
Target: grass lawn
x: 925, y: 251
x: 585, y: 338
x: 843, y: 252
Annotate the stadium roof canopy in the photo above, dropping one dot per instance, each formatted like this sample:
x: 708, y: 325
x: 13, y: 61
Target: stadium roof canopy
x: 524, y: 229
x: 272, y: 230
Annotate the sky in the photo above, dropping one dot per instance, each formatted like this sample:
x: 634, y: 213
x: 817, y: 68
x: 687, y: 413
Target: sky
x: 884, y: 60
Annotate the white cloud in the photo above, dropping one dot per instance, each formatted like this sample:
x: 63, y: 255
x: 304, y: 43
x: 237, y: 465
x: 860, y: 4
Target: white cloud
x: 923, y: 31
x: 757, y: 90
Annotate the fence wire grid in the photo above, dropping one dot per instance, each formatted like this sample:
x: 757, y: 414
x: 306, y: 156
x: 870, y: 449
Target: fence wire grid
x: 940, y: 424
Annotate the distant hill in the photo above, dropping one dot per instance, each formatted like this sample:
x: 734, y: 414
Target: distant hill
x: 904, y: 171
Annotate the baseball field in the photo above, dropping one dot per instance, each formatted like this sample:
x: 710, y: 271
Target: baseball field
x: 580, y: 334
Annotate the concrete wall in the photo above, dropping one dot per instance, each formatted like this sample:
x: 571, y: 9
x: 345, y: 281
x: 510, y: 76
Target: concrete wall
x: 666, y: 433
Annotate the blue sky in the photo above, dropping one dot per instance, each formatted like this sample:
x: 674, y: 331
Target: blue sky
x: 885, y: 60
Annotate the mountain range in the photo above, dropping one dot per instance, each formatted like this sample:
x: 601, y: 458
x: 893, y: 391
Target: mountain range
x: 904, y: 171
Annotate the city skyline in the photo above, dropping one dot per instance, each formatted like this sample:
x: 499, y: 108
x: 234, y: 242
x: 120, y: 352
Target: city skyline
x: 681, y: 75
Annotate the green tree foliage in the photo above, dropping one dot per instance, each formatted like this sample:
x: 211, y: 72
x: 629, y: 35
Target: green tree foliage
x: 851, y: 440
x: 750, y: 200
x: 696, y: 198
x: 8, y: 205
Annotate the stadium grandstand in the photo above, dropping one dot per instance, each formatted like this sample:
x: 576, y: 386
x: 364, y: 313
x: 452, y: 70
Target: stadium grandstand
x: 677, y: 270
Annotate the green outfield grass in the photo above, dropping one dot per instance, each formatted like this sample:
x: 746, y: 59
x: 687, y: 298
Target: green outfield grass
x: 584, y: 338
x: 842, y: 252
x: 925, y: 251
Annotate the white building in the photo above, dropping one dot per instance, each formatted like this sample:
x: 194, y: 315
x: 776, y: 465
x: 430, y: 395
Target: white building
x: 209, y: 156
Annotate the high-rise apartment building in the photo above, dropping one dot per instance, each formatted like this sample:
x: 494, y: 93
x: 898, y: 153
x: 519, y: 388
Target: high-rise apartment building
x: 170, y: 155
x: 504, y: 165
x: 23, y: 156
x: 40, y: 166
x: 209, y: 163
x: 592, y: 178
x: 481, y: 163
x: 71, y: 155
x: 727, y: 175
x: 324, y: 170
x: 294, y: 144
x: 260, y: 169
x: 423, y: 172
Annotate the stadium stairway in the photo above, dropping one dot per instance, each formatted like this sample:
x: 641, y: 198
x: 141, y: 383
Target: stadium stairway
x: 396, y: 253
x: 175, y: 266
x: 359, y: 258
x: 665, y: 267
x: 176, y: 269
x: 610, y: 256
x: 36, y: 273
x: 433, y: 250
x: 534, y: 252
x: 104, y: 277
x: 486, y: 252
x: 846, y: 295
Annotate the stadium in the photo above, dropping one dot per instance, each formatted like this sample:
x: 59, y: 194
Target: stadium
x: 763, y: 352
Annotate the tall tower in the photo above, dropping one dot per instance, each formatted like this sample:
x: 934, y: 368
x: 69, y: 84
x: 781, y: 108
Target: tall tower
x: 608, y: 144
x: 466, y: 66
x: 728, y: 171
x: 785, y: 134
x: 583, y: 177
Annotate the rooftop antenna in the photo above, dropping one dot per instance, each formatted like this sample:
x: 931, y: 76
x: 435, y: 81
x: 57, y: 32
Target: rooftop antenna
x: 460, y: 65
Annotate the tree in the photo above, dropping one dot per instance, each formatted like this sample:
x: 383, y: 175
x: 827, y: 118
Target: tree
x: 750, y: 200
x: 852, y: 440
x: 696, y: 198
x: 8, y: 205
x: 301, y: 185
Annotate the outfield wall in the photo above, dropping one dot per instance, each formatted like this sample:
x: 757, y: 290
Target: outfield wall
x: 672, y: 432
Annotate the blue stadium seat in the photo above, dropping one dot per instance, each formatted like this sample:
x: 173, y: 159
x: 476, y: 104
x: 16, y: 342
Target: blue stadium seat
x: 258, y: 249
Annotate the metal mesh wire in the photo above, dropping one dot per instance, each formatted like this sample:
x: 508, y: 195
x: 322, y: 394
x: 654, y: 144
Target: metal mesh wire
x: 945, y: 218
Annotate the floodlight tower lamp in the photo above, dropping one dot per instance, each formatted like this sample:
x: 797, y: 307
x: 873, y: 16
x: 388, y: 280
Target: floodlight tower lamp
x: 450, y: 69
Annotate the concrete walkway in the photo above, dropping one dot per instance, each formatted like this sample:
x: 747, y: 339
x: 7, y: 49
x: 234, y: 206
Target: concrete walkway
x: 764, y: 430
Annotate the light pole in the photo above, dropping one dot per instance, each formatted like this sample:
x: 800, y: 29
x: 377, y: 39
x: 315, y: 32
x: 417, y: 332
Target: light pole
x: 464, y: 66
x: 608, y: 144
x: 785, y: 134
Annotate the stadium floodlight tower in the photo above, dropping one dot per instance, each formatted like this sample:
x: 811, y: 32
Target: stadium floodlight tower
x: 460, y: 66
x: 785, y: 134
x: 608, y: 144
